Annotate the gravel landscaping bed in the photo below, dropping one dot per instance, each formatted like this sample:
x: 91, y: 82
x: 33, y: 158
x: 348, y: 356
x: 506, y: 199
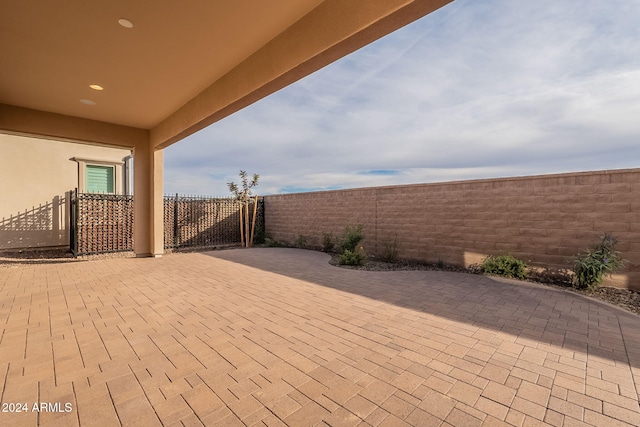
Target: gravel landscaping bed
x: 51, y: 256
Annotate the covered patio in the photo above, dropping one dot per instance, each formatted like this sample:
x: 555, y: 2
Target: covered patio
x: 274, y: 336
x: 144, y: 76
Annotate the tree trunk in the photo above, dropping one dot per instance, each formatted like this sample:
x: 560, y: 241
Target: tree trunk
x: 253, y: 223
x: 241, y: 226
x: 246, y: 222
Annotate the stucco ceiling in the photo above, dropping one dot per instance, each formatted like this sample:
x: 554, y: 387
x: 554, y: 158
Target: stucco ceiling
x: 181, y: 67
x: 50, y: 52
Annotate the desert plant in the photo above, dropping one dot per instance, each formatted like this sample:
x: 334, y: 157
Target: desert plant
x: 328, y: 242
x: 301, y: 241
x: 390, y: 253
x: 593, y: 264
x: 247, y: 228
x: 505, y: 266
x: 356, y: 257
x: 440, y: 263
x: 270, y: 243
x: 351, y: 253
x: 351, y: 238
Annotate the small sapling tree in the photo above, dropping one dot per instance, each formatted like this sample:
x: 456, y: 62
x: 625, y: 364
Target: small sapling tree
x: 243, y: 196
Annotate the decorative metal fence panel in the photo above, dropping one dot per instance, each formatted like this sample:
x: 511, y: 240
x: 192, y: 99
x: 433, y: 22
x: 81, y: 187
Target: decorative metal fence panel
x: 196, y: 221
x: 103, y: 223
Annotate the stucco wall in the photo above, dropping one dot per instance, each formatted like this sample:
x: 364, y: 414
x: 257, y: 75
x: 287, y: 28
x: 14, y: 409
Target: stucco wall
x: 542, y: 219
x: 37, y: 176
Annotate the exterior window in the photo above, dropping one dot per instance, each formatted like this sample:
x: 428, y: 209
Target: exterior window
x: 99, y: 179
x: 103, y: 175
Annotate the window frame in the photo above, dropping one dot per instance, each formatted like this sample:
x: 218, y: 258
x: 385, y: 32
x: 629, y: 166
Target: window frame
x: 117, y: 173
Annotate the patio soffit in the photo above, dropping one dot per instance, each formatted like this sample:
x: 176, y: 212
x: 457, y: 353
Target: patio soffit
x: 182, y: 66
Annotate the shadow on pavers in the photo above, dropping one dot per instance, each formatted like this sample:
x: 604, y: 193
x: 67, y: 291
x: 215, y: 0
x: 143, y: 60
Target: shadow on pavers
x: 548, y: 315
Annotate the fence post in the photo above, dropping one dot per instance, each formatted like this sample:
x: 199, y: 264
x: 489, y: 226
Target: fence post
x: 176, y: 236
x: 73, y: 222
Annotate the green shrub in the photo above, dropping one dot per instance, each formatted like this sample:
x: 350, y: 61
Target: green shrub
x: 301, y: 241
x: 351, y: 238
x: 356, y: 257
x: 391, y: 250
x: 505, y: 266
x: 328, y: 242
x: 270, y: 243
x: 351, y: 253
x: 593, y: 264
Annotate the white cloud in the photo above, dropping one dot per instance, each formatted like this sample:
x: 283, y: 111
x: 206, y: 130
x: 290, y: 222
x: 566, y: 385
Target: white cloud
x: 475, y: 90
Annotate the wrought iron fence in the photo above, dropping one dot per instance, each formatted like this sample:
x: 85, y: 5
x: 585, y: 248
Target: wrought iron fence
x: 196, y: 221
x: 103, y: 223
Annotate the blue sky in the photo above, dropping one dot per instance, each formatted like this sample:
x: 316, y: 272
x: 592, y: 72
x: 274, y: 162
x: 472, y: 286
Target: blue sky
x: 477, y: 89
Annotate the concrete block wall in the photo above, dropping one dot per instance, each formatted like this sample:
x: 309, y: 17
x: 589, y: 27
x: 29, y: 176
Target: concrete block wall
x: 544, y: 220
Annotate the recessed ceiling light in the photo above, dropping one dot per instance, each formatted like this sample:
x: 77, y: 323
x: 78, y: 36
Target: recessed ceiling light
x: 125, y: 23
x: 87, y: 102
x: 96, y: 87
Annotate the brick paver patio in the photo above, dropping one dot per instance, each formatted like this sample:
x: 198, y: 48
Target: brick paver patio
x: 279, y: 337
